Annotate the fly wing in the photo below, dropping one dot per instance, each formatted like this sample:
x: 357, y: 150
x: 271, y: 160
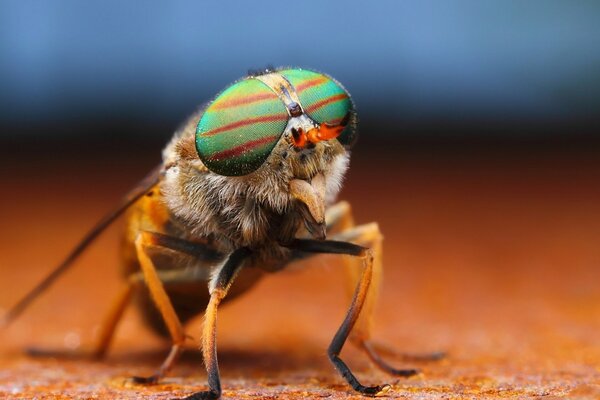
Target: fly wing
x: 131, y: 197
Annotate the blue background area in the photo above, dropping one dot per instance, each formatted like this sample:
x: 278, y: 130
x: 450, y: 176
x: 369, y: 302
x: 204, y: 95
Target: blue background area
x: 401, y: 60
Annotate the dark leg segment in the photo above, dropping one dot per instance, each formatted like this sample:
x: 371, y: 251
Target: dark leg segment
x: 378, y: 348
x: 384, y: 365
x: 340, y: 226
x: 218, y: 288
x: 358, y: 300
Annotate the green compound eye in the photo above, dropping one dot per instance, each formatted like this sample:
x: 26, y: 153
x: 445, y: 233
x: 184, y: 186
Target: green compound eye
x: 238, y: 131
x: 323, y: 99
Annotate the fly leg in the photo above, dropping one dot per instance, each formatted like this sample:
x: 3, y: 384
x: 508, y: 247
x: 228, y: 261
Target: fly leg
x: 133, y: 283
x: 218, y: 287
x: 369, y: 235
x: 113, y: 317
x: 155, y: 279
x: 163, y: 303
x: 152, y: 277
x: 358, y: 301
x: 340, y: 223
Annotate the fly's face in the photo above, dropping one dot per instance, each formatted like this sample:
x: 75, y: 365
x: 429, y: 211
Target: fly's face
x: 240, y: 129
x: 292, y: 126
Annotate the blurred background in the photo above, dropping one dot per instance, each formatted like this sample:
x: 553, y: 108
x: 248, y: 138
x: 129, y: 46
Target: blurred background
x: 428, y: 69
x: 478, y: 155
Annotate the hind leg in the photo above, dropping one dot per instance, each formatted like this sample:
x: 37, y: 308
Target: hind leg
x: 113, y: 317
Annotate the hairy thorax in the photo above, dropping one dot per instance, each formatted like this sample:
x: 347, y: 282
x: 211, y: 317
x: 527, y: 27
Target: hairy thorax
x: 254, y: 210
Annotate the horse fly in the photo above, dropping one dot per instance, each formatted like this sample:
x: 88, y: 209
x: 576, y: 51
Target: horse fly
x: 247, y: 185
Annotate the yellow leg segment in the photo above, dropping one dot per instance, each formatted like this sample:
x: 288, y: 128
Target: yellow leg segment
x: 163, y: 303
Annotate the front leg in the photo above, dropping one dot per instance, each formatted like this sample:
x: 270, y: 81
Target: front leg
x: 358, y: 301
x: 340, y: 226
x: 218, y: 288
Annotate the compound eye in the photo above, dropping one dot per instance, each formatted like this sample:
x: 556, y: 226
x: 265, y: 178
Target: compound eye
x: 240, y: 128
x: 324, y: 100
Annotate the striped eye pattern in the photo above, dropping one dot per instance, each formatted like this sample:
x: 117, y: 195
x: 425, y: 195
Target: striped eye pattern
x: 323, y: 99
x: 239, y: 129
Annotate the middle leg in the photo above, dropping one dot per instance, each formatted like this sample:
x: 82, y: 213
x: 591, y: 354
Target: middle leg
x: 218, y: 288
x: 144, y: 241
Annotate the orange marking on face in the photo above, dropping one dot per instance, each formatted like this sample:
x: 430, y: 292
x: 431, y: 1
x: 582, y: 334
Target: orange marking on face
x: 314, y: 136
x: 327, y: 132
x: 299, y: 138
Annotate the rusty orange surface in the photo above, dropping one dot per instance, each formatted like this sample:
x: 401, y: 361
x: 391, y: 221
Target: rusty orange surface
x: 495, y: 261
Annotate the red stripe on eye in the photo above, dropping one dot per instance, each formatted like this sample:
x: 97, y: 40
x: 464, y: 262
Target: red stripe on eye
x: 315, y: 106
x: 244, y: 122
x: 238, y: 101
x: 238, y: 150
x: 310, y: 83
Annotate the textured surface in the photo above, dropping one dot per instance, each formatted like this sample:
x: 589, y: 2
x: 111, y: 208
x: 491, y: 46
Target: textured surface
x: 495, y: 260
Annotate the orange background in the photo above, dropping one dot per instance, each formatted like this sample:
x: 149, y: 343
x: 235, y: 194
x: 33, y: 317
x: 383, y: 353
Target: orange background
x: 491, y: 254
